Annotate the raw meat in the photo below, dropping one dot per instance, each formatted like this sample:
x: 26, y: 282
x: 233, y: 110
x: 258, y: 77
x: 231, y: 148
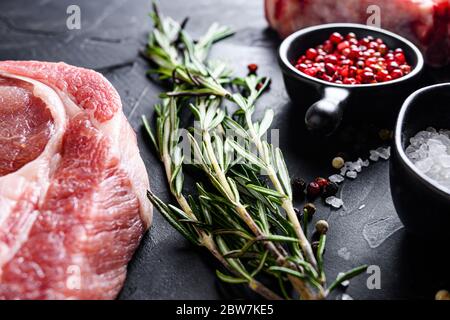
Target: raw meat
x: 72, y: 184
x: 424, y: 22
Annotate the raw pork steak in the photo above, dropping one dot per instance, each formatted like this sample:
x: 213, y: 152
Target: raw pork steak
x: 72, y: 184
x: 425, y: 22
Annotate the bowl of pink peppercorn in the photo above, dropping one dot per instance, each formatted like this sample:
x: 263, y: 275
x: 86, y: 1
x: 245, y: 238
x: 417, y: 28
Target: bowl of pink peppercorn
x: 344, y: 70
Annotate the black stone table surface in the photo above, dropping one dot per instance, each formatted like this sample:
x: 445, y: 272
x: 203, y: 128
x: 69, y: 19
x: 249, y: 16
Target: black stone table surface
x: 165, y: 266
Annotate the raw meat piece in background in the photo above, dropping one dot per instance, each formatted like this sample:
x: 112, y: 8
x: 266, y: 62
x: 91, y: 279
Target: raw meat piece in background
x: 72, y: 184
x: 424, y: 22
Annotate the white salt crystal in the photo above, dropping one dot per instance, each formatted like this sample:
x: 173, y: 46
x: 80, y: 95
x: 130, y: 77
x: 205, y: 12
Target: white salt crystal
x: 374, y: 155
x: 384, y: 153
x: 352, y: 174
x: 361, y: 207
x: 424, y: 165
x: 429, y: 150
x: 334, y: 202
x: 336, y: 178
x: 344, y: 253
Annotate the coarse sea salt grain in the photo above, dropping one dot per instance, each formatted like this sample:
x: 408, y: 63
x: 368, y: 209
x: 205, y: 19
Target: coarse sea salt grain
x: 352, y: 174
x: 336, y: 178
x: 429, y: 150
x: 334, y: 202
x: 383, y: 153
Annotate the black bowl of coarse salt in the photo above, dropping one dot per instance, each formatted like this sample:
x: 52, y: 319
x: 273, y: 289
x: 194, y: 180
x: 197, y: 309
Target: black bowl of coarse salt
x: 420, y: 164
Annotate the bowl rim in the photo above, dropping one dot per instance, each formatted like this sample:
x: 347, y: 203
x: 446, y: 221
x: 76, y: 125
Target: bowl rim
x: 398, y: 141
x: 286, y: 44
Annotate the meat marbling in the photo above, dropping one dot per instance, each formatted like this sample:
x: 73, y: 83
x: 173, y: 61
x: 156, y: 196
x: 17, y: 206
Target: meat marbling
x: 425, y: 22
x: 72, y: 184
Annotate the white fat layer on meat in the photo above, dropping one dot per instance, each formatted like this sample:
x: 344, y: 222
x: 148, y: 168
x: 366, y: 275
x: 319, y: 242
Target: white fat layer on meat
x: 34, y: 176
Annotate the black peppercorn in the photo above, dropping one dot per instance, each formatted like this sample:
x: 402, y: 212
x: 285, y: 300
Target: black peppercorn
x: 298, y: 187
x: 330, y: 190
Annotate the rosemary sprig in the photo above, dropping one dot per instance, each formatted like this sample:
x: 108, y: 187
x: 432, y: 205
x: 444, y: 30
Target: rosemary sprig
x: 237, y: 216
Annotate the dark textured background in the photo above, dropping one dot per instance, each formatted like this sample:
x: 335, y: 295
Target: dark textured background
x: 166, y: 266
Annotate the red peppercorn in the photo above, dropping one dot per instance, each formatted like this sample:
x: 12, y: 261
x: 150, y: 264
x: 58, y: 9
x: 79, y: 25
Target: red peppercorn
x: 328, y: 46
x: 322, y: 182
x: 336, y: 38
x: 343, y: 45
x: 353, y: 41
x: 313, y: 190
x: 383, y: 49
x: 311, y: 53
x: 389, y: 56
x: 354, y: 53
x: 352, y: 61
x: 364, y: 42
x: 381, y: 75
x: 397, y: 73
x: 373, y: 45
x: 350, y: 35
x: 330, y: 68
x: 310, y: 71
x: 368, y: 77
x: 320, y: 58
x: 252, y: 68
x: 349, y: 81
x: 346, y: 52
x: 330, y: 59
x: 302, y: 66
x: 405, y: 68
x: 346, y: 62
x: 392, y: 66
x: 400, y: 58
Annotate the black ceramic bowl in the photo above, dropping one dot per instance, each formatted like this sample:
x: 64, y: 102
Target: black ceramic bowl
x: 331, y: 102
x: 422, y: 204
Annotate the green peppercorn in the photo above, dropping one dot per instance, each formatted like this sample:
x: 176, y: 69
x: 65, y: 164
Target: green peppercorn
x: 442, y: 295
x: 322, y: 227
x: 338, y: 162
x: 309, y: 209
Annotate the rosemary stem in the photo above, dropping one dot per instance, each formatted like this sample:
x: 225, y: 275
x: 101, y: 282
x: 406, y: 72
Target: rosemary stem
x: 297, y: 283
x: 287, y: 203
x: 262, y: 290
x: 304, y: 243
x: 207, y: 240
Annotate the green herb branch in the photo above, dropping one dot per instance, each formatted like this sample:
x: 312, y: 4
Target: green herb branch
x: 237, y: 216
